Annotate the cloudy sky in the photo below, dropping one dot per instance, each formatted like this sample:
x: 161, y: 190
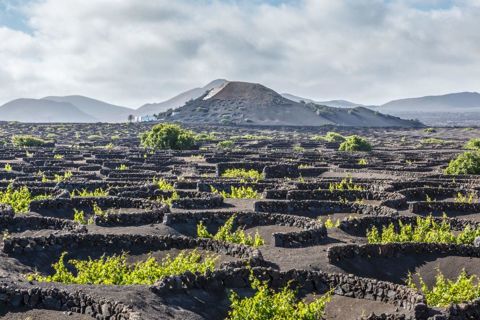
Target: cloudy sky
x: 130, y: 52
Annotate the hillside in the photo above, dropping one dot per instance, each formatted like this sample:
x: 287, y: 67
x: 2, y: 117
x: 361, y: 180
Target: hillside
x: 249, y: 103
x: 453, y: 102
x: 38, y: 110
x: 179, y: 100
x: 328, y: 103
x: 99, y: 110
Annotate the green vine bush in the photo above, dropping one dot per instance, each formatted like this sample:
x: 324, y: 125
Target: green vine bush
x: 445, y: 292
x: 473, y: 144
x: 27, y: 141
x: 115, y: 270
x: 345, y: 184
x: 355, y: 143
x: 99, y: 192
x: 425, y: 230
x: 282, y: 305
x: 163, y: 184
x: 242, y: 192
x: 465, y: 163
x: 168, y: 136
x: 225, y: 233
x: 19, y: 199
x: 251, y: 174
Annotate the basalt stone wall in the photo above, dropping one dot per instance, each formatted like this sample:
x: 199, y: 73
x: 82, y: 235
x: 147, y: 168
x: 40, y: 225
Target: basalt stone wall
x: 338, y: 253
x: 22, y: 223
x: 312, y: 172
x: 464, y: 311
x: 132, y: 218
x: 320, y: 208
x: 420, y: 194
x: 227, y: 186
x: 275, y: 194
x: 209, y: 202
x: 41, y: 206
x: 314, y: 233
x: 281, y: 171
x: 306, y: 281
x: 61, y: 300
x: 126, y: 242
x: 389, y: 199
x: 224, y: 166
x: 359, y: 226
x: 440, y: 207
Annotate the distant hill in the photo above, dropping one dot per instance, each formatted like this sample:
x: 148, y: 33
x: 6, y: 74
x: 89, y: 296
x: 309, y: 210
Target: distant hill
x: 99, y: 110
x: 328, y: 103
x: 251, y: 103
x: 39, y: 110
x: 179, y: 100
x: 453, y: 102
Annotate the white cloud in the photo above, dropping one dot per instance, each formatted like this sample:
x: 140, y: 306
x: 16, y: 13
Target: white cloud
x: 131, y: 52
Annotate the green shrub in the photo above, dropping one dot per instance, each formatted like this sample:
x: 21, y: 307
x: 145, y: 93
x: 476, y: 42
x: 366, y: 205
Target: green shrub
x: 473, y: 144
x: 243, y: 174
x: 355, y: 143
x: 163, y: 185
x: 446, y: 292
x: 225, y: 144
x: 122, y: 167
x: 168, y: 136
x: 27, y: 141
x: 282, y: 305
x: 115, y: 270
x: 362, y: 162
x: 433, y: 141
x: 466, y: 198
x: 242, y: 192
x: 226, y: 234
x: 169, y: 200
x: 429, y: 130
x: 426, y: 230
x: 19, y: 199
x: 99, y: 192
x: 345, y: 184
x: 7, y: 167
x: 334, y: 137
x: 465, y: 163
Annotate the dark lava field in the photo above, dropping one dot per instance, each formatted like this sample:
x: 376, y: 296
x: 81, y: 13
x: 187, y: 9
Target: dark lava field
x: 312, y: 205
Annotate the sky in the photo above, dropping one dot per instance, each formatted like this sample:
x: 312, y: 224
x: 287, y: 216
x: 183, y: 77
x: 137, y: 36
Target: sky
x: 131, y: 52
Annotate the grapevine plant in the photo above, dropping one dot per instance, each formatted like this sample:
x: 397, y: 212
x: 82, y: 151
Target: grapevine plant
x: 282, y: 305
x: 445, y: 292
x: 114, y: 270
x: 226, y: 234
x: 19, y: 199
x: 425, y: 230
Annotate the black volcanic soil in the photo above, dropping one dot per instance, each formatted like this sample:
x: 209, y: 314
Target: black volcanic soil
x: 417, y: 166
